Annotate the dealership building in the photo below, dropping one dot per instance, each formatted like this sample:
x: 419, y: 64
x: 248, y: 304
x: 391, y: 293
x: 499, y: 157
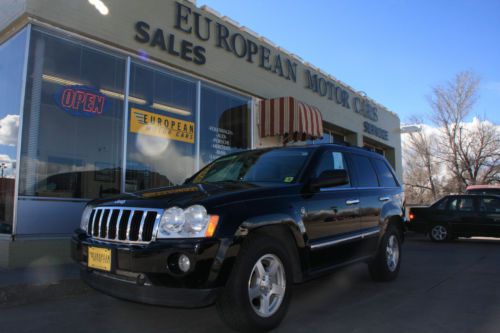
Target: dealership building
x: 104, y: 97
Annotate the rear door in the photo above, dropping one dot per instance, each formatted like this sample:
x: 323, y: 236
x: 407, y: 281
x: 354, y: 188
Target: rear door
x: 489, y: 215
x: 370, y: 203
x: 463, y: 216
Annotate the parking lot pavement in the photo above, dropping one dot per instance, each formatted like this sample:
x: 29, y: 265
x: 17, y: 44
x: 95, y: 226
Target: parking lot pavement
x: 449, y: 287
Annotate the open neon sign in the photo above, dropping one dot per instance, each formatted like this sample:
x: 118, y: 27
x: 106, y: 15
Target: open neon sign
x: 81, y: 101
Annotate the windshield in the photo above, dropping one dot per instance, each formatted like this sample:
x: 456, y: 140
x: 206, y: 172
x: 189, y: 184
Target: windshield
x: 282, y: 166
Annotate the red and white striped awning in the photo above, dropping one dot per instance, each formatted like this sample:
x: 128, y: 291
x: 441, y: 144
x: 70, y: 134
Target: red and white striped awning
x: 290, y: 118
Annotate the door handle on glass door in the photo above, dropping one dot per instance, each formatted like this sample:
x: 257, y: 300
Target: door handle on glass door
x: 352, y: 202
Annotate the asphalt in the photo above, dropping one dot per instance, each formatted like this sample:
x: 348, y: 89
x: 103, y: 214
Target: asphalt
x: 450, y: 287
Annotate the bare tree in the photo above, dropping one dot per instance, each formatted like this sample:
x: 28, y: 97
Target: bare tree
x: 421, y: 166
x: 471, y: 154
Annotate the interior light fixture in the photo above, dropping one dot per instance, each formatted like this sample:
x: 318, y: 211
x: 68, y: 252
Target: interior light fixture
x: 171, y: 109
x: 59, y: 80
x: 100, y: 6
x: 114, y: 94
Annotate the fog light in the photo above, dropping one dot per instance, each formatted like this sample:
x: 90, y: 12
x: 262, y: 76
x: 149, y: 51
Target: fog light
x: 184, y: 263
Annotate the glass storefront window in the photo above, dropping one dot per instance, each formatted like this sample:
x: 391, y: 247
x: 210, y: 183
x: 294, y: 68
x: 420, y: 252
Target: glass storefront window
x: 225, y: 123
x: 73, y: 120
x: 162, y: 130
x: 12, y: 54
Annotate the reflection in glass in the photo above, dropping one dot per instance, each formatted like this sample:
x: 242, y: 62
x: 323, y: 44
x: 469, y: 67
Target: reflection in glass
x: 225, y: 124
x: 12, y: 53
x: 161, y: 138
x: 72, y: 130
x: 255, y: 166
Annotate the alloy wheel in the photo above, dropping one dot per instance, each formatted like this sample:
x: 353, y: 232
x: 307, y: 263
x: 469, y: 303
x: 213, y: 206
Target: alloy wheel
x: 392, y: 253
x: 267, y: 285
x: 439, y: 233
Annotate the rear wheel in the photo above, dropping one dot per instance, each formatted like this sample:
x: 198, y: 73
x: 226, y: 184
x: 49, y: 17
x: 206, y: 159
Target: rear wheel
x: 440, y: 233
x: 385, y: 266
x: 258, y: 292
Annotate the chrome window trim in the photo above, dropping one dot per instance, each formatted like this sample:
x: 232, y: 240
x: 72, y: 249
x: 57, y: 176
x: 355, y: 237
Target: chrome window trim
x: 327, y: 189
x: 345, y: 239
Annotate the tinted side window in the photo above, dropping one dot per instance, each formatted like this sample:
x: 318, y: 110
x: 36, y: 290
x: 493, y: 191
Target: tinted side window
x: 385, y: 175
x: 489, y: 205
x: 441, y: 205
x: 462, y: 204
x: 331, y: 160
x: 365, y: 171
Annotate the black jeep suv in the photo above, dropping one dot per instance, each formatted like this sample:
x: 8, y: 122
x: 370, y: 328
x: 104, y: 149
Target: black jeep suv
x: 244, y: 229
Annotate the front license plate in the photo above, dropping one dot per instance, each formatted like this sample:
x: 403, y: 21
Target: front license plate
x: 99, y: 258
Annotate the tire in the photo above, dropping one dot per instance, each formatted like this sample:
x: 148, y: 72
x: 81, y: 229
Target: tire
x: 234, y: 303
x: 440, y: 233
x: 387, y: 262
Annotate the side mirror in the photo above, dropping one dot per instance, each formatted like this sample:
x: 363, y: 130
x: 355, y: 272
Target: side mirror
x: 330, y: 178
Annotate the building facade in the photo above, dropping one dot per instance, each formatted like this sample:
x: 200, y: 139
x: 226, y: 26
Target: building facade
x: 104, y: 97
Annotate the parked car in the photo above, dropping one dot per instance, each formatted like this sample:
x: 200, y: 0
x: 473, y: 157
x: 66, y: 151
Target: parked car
x: 458, y: 216
x: 242, y: 230
x: 483, y: 189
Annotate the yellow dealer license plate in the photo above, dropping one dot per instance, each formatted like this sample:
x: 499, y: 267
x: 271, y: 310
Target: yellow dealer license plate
x: 99, y: 258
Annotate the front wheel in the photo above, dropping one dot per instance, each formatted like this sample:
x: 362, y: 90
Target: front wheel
x: 258, y: 291
x: 385, y: 266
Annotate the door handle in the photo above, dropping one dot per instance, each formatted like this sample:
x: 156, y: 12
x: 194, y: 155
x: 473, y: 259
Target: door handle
x: 352, y: 202
x: 384, y: 199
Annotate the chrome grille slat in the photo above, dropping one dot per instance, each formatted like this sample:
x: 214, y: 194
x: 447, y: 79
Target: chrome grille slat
x: 109, y: 222
x: 95, y: 225
x: 141, y: 226
x: 133, y: 223
x: 100, y: 222
x: 117, y: 224
x: 129, y: 223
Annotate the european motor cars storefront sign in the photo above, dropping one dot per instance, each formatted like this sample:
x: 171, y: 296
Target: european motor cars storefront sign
x: 206, y: 30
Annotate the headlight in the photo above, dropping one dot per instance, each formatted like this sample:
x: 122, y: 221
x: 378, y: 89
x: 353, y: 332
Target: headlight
x: 86, y: 217
x: 191, y: 222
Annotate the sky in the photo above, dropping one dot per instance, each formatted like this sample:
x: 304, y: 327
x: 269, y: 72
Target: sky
x: 393, y: 50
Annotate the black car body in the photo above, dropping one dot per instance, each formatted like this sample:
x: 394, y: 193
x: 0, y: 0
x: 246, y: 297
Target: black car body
x: 458, y: 216
x: 335, y: 210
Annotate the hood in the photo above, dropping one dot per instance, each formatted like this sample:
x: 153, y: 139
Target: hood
x: 190, y: 194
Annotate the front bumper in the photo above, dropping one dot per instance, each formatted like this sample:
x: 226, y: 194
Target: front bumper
x: 146, y: 273
x: 134, y: 290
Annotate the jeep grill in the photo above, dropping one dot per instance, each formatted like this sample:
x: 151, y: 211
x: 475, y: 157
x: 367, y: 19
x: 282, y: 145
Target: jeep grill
x: 127, y: 225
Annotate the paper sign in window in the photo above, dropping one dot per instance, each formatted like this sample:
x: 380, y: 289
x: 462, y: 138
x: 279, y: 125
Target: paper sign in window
x: 152, y: 124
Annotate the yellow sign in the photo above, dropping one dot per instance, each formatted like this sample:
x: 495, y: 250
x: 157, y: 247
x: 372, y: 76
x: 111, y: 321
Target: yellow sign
x: 99, y: 258
x: 153, y: 124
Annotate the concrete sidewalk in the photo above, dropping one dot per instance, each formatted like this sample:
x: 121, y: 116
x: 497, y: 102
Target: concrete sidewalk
x: 33, y: 284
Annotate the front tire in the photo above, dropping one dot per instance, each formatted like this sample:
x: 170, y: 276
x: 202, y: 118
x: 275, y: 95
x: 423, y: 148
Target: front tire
x: 440, y: 233
x: 385, y: 266
x: 258, y: 292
